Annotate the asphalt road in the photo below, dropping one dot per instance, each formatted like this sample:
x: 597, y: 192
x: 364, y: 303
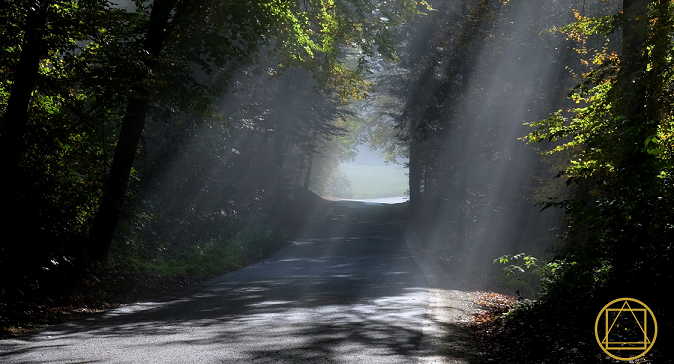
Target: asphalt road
x: 346, y: 291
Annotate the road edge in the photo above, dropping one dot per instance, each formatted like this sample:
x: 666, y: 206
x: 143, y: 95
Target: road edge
x: 446, y: 335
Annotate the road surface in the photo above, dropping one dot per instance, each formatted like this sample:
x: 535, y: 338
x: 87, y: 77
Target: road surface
x: 349, y: 289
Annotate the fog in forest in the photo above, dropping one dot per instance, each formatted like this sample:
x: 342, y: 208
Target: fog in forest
x: 154, y: 144
x: 433, y: 115
x: 479, y: 179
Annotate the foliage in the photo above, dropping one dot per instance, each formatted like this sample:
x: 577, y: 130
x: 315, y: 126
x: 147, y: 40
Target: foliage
x: 216, y: 93
x: 600, y: 125
x: 528, y: 260
x: 202, y: 258
x: 624, y: 162
x: 464, y: 87
x: 618, y: 242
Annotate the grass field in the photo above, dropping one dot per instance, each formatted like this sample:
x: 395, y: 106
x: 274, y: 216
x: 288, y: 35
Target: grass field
x: 376, y: 181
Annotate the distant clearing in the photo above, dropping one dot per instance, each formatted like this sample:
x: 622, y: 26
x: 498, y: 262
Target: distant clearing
x: 376, y: 181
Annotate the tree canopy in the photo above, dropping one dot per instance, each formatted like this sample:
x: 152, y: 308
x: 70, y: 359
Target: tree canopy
x: 183, y: 136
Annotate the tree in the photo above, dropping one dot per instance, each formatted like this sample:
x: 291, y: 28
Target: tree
x: 619, y: 241
x: 299, y: 31
x: 465, y: 92
x: 50, y: 29
x: 132, y: 126
x: 40, y: 42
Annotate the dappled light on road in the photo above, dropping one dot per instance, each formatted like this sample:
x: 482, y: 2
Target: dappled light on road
x: 341, y: 292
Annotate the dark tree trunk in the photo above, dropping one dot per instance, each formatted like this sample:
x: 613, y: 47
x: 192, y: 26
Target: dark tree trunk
x: 632, y: 89
x: 461, y: 210
x: 244, y: 160
x: 133, y: 123
x: 286, y: 104
x: 278, y: 159
x: 423, y: 93
x: 259, y: 161
x: 635, y: 31
x: 307, y: 177
x: 633, y: 92
x: 12, y: 138
x: 414, y: 170
x: 427, y: 182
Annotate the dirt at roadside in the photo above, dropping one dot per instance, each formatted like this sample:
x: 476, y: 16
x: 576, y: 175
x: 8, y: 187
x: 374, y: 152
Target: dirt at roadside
x: 108, y: 288
x: 447, y: 336
x: 458, y: 303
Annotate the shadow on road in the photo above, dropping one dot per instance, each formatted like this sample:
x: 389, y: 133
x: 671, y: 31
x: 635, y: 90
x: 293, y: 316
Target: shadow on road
x: 347, y: 290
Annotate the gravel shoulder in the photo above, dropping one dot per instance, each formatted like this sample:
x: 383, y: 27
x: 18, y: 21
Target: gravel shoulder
x: 446, y: 334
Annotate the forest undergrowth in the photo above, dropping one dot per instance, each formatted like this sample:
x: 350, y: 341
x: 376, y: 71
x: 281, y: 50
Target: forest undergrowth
x: 539, y: 315
x: 131, y: 275
x: 512, y: 330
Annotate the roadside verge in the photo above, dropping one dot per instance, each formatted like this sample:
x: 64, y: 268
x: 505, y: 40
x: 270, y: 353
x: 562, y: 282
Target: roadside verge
x: 446, y: 334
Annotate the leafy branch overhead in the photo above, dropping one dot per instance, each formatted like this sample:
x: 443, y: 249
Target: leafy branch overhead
x: 602, y: 123
x: 528, y: 260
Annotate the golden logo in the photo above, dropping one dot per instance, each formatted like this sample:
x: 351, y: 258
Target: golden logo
x: 621, y: 328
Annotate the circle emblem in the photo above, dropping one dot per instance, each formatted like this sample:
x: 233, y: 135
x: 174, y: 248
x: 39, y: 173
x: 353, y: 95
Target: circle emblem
x: 622, y: 327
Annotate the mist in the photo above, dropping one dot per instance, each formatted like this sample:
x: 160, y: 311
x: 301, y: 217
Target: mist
x: 478, y: 180
x: 383, y: 161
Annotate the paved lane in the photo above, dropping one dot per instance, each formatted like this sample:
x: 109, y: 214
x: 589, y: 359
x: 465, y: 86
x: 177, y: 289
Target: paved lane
x: 346, y: 291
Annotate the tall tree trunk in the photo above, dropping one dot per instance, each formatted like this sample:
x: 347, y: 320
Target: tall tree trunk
x: 244, y: 161
x: 278, y: 159
x: 414, y: 170
x: 633, y: 169
x: 133, y: 123
x: 461, y: 210
x: 307, y: 177
x: 635, y: 31
x: 286, y: 105
x: 310, y: 161
x: 12, y: 138
x: 427, y: 182
x: 631, y: 85
x: 259, y: 161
